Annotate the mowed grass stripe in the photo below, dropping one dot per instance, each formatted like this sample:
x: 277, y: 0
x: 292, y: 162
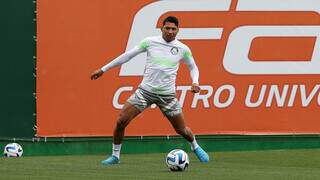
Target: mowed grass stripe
x: 279, y: 164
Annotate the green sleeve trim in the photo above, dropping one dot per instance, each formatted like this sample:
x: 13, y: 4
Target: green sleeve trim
x: 143, y: 45
x: 187, y: 55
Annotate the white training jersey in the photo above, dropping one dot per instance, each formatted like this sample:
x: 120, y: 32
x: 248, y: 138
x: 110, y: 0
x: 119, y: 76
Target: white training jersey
x: 163, y: 59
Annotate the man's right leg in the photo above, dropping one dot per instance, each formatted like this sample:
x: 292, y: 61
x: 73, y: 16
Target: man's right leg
x: 128, y: 113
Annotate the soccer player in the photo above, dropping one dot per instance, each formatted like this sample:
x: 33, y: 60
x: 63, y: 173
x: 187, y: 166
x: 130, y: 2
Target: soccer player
x: 164, y: 54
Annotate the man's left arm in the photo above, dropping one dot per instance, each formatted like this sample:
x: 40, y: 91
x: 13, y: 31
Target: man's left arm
x: 194, y: 71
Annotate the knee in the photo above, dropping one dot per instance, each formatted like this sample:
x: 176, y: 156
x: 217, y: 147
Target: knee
x: 122, y: 121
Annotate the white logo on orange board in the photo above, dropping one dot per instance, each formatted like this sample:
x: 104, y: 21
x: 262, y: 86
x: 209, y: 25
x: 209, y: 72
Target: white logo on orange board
x: 240, y: 39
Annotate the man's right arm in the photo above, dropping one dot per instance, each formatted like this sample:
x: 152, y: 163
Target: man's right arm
x: 123, y: 58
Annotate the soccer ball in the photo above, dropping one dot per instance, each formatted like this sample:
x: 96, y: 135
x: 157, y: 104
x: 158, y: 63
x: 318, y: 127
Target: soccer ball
x: 13, y: 150
x: 177, y: 160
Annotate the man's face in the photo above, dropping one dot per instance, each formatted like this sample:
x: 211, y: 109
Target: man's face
x: 169, y: 31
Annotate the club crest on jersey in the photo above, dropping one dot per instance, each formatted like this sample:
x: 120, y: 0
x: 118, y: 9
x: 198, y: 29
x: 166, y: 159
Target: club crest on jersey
x: 174, y: 51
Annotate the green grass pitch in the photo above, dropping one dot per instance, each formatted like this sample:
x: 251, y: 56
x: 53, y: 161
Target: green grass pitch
x: 269, y: 165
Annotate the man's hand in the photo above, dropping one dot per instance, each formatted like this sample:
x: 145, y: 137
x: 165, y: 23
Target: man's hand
x: 195, y: 88
x: 96, y: 74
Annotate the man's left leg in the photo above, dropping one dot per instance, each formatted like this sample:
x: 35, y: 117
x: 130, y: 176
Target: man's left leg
x: 178, y: 123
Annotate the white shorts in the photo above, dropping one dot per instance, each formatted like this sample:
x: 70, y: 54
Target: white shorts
x: 168, y: 104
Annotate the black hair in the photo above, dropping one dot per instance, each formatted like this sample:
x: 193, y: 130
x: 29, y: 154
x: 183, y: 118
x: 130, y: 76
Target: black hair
x: 171, y: 19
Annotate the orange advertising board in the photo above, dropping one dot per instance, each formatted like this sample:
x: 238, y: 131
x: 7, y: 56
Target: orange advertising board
x: 259, y: 64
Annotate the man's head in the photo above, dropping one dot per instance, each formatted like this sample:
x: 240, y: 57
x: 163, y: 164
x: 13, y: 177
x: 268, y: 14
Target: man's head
x: 170, y: 28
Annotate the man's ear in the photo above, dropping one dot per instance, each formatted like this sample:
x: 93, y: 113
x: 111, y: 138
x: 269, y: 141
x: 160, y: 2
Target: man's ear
x: 162, y: 28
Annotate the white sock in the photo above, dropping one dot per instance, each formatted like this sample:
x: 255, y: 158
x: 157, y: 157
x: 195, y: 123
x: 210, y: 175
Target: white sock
x: 116, y: 150
x: 194, y: 144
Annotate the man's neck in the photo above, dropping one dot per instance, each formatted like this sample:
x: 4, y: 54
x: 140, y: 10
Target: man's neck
x: 166, y: 40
